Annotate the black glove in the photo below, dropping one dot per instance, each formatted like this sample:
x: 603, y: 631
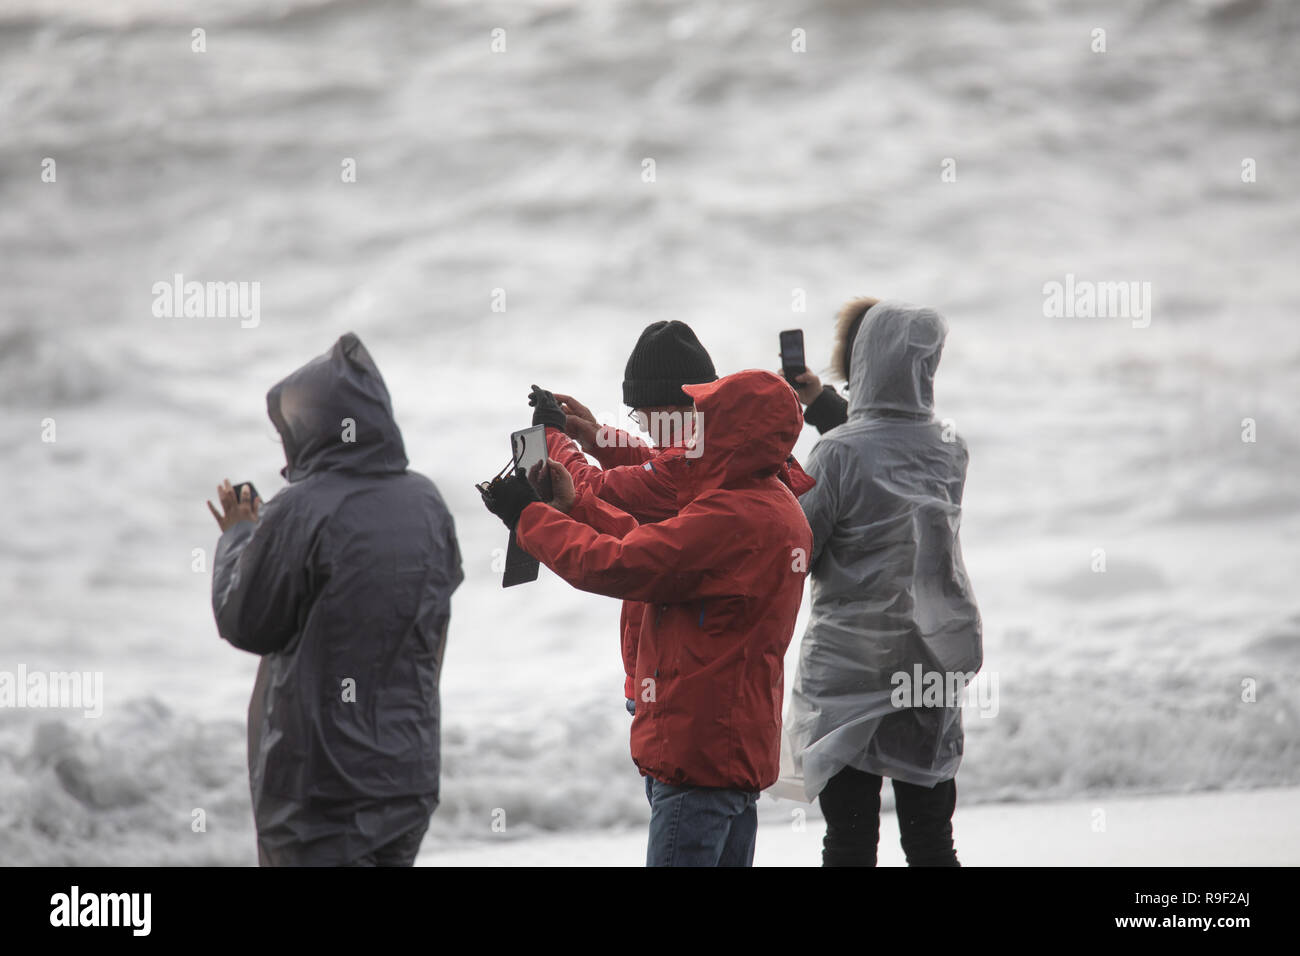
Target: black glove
x: 546, y: 410
x: 508, y: 497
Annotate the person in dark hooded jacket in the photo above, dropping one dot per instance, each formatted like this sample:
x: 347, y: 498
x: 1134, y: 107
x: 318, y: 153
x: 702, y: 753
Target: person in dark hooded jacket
x: 342, y: 582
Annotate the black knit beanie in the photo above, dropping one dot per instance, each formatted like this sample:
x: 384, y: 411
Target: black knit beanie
x: 666, y: 357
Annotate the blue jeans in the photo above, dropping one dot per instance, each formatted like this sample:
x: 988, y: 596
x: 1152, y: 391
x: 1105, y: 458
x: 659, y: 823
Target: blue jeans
x: 700, y: 826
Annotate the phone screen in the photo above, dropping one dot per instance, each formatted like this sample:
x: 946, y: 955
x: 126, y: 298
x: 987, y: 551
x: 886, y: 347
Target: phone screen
x: 792, y: 357
x: 529, y: 448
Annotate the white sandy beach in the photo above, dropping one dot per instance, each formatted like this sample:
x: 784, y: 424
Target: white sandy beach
x: 1243, y: 828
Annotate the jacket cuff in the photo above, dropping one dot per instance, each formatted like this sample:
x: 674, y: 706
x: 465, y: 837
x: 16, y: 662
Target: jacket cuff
x: 828, y: 410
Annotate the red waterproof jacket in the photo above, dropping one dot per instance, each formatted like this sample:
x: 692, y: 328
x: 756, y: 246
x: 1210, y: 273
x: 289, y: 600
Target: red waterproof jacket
x: 721, y: 582
x: 643, y: 481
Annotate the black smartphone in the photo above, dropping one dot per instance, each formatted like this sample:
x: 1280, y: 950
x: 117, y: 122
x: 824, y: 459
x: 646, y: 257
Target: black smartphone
x: 793, y: 362
x: 252, y: 490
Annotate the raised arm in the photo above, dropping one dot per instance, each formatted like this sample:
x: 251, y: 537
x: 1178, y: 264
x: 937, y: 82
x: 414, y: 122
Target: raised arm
x: 259, y: 581
x: 681, y: 559
x: 647, y: 491
x: 828, y: 410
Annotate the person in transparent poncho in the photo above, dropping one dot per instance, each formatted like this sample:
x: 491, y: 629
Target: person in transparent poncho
x: 891, y: 599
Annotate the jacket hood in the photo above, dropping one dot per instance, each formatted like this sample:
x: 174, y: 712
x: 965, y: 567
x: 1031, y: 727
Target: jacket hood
x: 310, y: 406
x: 747, y: 426
x: 895, y: 355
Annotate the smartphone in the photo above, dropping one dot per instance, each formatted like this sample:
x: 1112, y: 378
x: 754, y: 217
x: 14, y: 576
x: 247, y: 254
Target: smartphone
x: 252, y: 490
x: 793, y: 362
x: 529, y: 449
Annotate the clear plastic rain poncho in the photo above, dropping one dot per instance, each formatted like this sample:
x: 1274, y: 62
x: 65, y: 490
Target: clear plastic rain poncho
x: 889, y: 590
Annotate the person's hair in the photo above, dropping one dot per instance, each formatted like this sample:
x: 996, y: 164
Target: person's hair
x: 846, y: 329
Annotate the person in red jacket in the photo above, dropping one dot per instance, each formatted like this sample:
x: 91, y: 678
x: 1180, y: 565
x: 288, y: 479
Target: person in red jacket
x: 721, y: 582
x: 634, y: 476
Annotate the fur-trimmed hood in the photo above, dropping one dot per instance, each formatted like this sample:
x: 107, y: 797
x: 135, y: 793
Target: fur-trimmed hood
x: 846, y: 327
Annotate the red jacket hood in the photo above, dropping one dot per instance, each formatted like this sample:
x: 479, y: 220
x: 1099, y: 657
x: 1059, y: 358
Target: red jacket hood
x: 747, y: 426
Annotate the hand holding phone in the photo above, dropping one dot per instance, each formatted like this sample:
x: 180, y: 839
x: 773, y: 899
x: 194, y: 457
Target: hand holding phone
x: 233, y: 508
x: 529, y: 447
x: 560, y: 481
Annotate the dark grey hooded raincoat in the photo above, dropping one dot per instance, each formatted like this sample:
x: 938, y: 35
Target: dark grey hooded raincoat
x: 344, y: 587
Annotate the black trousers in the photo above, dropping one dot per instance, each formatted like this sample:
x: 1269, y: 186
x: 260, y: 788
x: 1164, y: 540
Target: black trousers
x: 851, y: 805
